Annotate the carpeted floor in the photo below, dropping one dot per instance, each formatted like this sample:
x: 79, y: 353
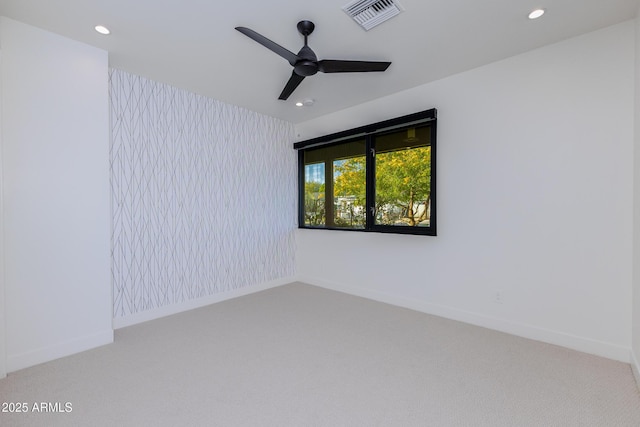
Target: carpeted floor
x: 299, y: 355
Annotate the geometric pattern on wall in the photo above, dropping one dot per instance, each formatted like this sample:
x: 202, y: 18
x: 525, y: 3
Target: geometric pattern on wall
x: 203, y: 196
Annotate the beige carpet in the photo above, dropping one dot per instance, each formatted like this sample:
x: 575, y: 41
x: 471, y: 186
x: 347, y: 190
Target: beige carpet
x: 298, y: 355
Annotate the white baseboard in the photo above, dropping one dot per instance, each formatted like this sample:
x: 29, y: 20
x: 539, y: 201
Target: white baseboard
x: 145, y: 316
x: 586, y: 345
x: 635, y: 367
x: 16, y: 362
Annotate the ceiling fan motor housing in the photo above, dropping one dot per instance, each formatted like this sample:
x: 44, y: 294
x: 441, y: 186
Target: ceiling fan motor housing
x: 308, y: 65
x: 306, y: 68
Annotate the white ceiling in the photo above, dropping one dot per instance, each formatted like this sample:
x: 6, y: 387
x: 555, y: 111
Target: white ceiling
x: 192, y: 44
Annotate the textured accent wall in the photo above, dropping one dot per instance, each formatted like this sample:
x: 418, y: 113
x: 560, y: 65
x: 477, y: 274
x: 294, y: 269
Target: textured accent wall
x: 203, y: 196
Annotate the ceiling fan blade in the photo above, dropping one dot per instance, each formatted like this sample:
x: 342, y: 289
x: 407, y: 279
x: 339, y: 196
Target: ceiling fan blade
x: 338, y: 66
x: 291, y: 85
x: 275, y: 47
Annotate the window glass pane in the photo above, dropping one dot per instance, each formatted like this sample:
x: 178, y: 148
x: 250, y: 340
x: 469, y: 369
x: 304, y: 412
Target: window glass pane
x: 334, y: 180
x: 403, y: 178
x: 314, y: 193
x: 349, y: 191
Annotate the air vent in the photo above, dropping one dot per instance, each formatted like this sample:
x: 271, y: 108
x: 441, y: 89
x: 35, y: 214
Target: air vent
x: 369, y: 13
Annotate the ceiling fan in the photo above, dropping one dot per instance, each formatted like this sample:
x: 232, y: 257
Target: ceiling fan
x: 305, y: 63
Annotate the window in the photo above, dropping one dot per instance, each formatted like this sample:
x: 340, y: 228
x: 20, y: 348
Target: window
x: 335, y: 173
x: 379, y: 177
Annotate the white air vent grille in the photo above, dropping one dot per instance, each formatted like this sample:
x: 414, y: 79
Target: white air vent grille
x: 369, y: 13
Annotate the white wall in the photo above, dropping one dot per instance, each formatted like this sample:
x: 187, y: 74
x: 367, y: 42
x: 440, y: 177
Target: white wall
x: 55, y: 142
x: 3, y: 340
x: 535, y: 173
x: 203, y: 200
x: 636, y: 215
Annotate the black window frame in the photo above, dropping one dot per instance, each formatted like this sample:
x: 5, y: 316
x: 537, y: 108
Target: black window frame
x: 369, y: 133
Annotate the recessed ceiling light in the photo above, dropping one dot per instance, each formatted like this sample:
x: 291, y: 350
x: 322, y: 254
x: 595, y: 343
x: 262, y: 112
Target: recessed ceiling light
x: 102, y: 29
x: 305, y: 103
x: 536, y: 14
